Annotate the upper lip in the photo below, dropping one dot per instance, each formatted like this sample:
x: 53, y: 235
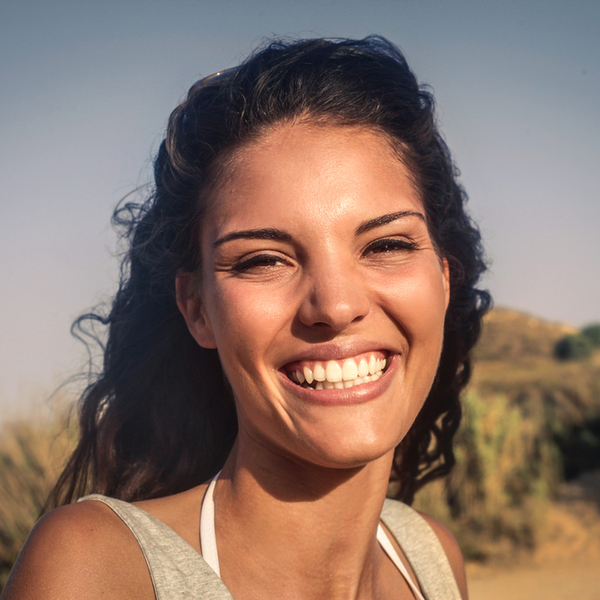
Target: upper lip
x: 338, y: 350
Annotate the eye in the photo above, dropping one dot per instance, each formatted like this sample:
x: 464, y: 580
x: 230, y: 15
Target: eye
x: 389, y: 246
x: 258, y: 262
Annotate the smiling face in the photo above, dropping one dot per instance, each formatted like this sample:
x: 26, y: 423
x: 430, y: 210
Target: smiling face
x: 322, y: 292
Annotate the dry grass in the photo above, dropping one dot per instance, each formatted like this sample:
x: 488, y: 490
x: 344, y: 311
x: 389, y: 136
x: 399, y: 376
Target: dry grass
x: 507, y: 468
x: 31, y: 457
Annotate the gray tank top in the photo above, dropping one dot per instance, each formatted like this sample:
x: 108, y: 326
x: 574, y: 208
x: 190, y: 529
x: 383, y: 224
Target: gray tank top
x: 179, y: 573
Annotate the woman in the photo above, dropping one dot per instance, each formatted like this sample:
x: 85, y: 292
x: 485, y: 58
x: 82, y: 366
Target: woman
x: 296, y: 312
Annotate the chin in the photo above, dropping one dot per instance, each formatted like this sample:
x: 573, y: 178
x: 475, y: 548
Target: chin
x: 350, y: 453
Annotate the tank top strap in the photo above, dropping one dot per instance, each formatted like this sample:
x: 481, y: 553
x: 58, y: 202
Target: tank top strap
x: 178, y: 572
x: 422, y: 549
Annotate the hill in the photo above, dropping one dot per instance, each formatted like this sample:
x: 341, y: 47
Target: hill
x: 510, y: 336
x: 515, y: 358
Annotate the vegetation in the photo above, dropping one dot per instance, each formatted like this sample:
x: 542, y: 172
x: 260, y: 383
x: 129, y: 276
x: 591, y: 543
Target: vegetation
x: 580, y: 448
x: 573, y: 347
x: 576, y: 346
x: 592, y: 333
x: 31, y: 457
x: 507, y: 469
x: 530, y: 422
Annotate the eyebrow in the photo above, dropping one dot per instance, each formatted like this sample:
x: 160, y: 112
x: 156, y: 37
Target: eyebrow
x: 255, y: 234
x: 385, y: 219
x: 281, y: 235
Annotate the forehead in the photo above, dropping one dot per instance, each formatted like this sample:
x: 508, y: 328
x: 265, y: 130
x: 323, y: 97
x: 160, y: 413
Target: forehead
x: 324, y: 172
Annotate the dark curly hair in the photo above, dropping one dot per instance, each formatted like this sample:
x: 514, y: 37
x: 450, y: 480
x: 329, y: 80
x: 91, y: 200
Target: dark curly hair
x: 160, y: 417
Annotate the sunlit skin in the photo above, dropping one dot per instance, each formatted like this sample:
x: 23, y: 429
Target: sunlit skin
x: 316, y: 247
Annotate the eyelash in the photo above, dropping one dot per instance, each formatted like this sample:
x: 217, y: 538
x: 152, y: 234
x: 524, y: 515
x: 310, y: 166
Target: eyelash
x: 260, y: 260
x: 389, y: 245
x: 383, y: 246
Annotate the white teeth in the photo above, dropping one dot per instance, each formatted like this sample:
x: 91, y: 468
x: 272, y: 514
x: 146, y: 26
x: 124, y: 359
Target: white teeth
x: 319, y: 372
x: 333, y: 375
x: 349, y: 370
x: 308, y: 375
x: 372, y: 365
x: 363, y: 368
x: 333, y: 371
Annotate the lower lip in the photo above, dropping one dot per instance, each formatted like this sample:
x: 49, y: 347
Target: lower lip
x: 357, y: 394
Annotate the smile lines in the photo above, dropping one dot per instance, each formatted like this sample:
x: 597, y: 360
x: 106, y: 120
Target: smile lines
x: 333, y: 374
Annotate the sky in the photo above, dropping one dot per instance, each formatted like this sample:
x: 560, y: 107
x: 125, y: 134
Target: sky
x: 86, y: 88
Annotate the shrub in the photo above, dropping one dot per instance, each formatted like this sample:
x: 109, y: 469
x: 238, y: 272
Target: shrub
x: 592, y: 333
x: 580, y: 447
x: 507, y: 468
x: 573, y: 347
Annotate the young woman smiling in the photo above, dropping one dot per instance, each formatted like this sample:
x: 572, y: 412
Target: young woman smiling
x: 293, y: 325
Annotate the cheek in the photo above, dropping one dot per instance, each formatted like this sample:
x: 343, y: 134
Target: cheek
x: 417, y: 302
x: 245, y: 319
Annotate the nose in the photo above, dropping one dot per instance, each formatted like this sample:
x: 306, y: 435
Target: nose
x: 334, y: 298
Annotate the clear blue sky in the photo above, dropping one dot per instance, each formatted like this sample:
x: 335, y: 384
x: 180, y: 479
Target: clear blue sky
x: 87, y: 86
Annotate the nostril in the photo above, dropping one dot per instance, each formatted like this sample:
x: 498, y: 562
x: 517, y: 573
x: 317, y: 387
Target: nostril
x: 325, y: 312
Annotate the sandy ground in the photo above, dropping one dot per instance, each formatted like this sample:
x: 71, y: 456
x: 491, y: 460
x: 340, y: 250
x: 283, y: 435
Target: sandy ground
x: 569, y: 581
x: 566, y: 564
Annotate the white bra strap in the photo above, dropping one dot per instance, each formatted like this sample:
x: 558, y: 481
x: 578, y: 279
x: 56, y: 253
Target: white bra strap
x: 385, y: 543
x: 208, y: 539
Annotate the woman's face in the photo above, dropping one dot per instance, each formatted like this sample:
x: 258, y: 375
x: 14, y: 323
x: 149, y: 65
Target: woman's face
x: 322, y: 292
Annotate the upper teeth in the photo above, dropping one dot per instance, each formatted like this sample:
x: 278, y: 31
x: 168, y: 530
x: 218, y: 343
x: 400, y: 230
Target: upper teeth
x: 332, y: 374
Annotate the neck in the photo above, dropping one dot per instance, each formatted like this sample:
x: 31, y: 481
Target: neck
x: 319, y: 523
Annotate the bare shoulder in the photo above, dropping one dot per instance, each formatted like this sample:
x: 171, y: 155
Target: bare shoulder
x: 82, y: 551
x: 453, y: 552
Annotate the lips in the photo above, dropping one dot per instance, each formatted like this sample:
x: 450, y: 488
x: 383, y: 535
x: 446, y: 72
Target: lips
x: 338, y: 374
